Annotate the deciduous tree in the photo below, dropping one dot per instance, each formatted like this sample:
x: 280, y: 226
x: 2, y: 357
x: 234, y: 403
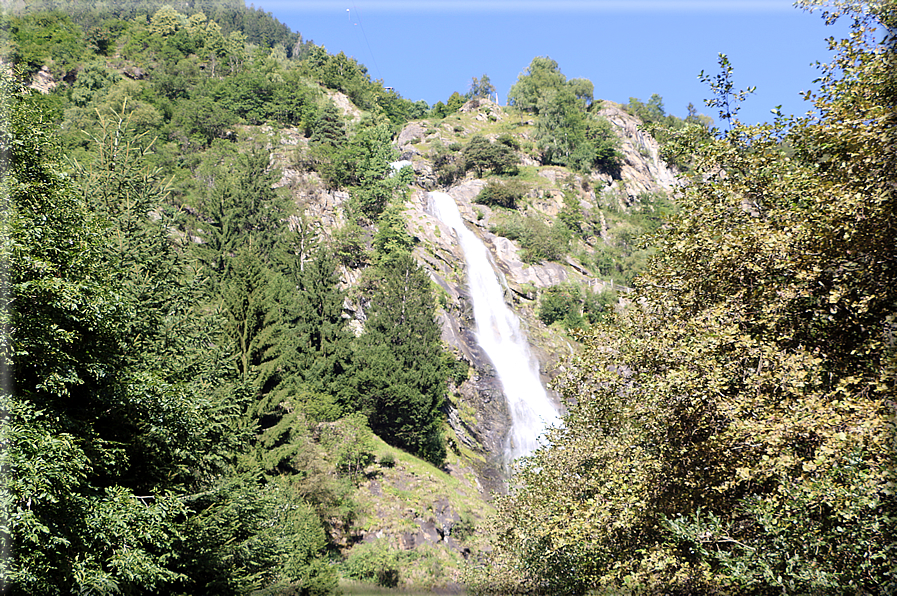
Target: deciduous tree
x: 733, y: 431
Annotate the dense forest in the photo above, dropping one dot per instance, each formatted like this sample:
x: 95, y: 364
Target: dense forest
x: 189, y: 410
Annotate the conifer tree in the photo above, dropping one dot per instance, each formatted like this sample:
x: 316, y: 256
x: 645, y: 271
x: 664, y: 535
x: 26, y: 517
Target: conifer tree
x: 245, y: 211
x: 322, y: 340
x: 117, y: 418
x: 400, y: 373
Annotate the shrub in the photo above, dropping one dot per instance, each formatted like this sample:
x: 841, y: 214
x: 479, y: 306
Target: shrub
x: 538, y: 240
x: 509, y: 141
x: 598, y: 305
x: 465, y: 527
x: 375, y: 561
x: 561, y: 303
x: 447, y: 163
x: 501, y: 194
x: 481, y: 155
x: 350, y: 246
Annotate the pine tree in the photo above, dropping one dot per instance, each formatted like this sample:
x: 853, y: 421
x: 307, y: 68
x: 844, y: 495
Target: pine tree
x: 401, y: 374
x: 245, y: 211
x: 322, y: 340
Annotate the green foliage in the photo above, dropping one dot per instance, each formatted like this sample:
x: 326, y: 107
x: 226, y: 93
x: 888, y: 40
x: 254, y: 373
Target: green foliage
x: 249, y: 537
x: 454, y: 103
x: 320, y: 341
x: 561, y: 303
x: 351, y: 441
x: 481, y: 88
x: 732, y: 431
x: 92, y: 82
x: 447, y: 163
x: 400, y: 369
x: 458, y: 368
x: 599, y: 306
x: 726, y: 100
x: 566, y: 132
x: 664, y: 127
x: 481, y: 155
x: 111, y: 422
x: 569, y: 136
x: 376, y: 561
x: 370, y: 152
x: 464, y: 528
x: 244, y: 210
x: 349, y: 246
x: 328, y: 129
x: 571, y: 213
x: 627, y: 243
x: 539, y: 240
x: 332, y: 163
x: 543, y: 78
x: 501, y: 194
x: 651, y: 113
x: 345, y: 74
x: 574, y: 306
x: 392, y: 240
x: 50, y: 39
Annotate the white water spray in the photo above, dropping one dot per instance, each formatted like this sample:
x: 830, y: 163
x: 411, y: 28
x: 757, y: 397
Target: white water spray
x: 499, y: 334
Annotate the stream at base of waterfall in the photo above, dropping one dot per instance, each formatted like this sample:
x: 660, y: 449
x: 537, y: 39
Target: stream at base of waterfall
x: 499, y: 334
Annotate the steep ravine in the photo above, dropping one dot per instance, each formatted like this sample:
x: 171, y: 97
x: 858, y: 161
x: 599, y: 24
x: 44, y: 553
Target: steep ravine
x: 409, y: 508
x: 478, y: 413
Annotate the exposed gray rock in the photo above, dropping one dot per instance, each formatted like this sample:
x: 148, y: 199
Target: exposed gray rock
x: 345, y: 105
x: 43, y: 80
x: 642, y: 170
x: 413, y: 131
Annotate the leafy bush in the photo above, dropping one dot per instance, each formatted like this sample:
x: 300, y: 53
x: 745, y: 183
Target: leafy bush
x: 376, y: 561
x: 350, y: 245
x: 730, y: 435
x: 482, y: 155
x: 575, y: 306
x: 465, y: 527
x: 508, y: 141
x: 538, y: 240
x: 352, y: 442
x: 597, y: 306
x: 561, y: 303
x: 501, y: 194
x: 447, y: 163
x: 388, y: 459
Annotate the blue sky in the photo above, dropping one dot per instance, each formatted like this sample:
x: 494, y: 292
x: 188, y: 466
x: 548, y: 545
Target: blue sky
x: 428, y: 49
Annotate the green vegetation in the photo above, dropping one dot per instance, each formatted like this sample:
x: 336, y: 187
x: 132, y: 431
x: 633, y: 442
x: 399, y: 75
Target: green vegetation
x: 732, y: 431
x: 401, y: 373
x: 186, y: 414
x: 575, y: 307
x: 194, y: 413
x: 501, y: 194
x: 539, y: 240
x: 481, y: 88
x: 665, y: 126
x: 567, y: 132
x: 481, y: 155
x: 127, y: 427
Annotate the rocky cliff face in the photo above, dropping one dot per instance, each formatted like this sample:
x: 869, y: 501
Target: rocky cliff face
x: 477, y: 410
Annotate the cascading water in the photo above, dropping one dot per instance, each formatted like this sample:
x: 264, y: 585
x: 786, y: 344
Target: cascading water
x: 499, y: 334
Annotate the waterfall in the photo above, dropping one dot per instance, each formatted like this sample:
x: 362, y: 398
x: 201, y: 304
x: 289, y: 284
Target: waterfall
x: 498, y: 333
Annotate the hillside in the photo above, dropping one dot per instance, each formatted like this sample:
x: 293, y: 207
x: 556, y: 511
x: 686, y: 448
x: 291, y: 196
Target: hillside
x: 217, y: 255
